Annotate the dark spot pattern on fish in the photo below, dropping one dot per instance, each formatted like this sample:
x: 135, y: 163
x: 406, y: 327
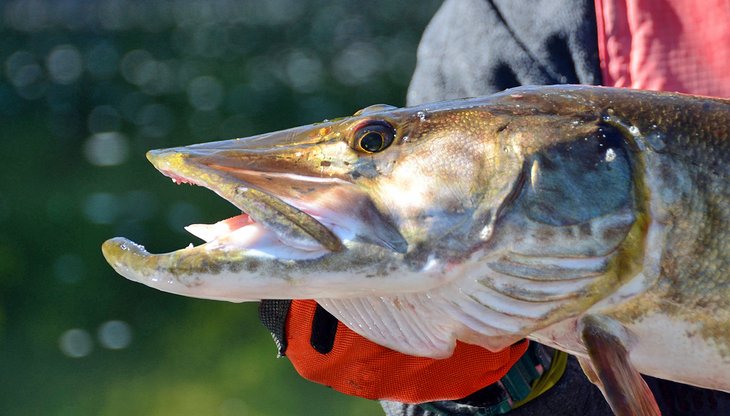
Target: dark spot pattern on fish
x: 585, y: 230
x: 364, y: 167
x: 252, y: 265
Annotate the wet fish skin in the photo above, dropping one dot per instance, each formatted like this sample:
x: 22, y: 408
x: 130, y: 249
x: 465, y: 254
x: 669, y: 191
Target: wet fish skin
x: 591, y: 219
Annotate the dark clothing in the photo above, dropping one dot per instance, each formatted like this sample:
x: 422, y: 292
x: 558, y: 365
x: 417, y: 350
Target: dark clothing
x: 477, y: 47
x: 574, y: 395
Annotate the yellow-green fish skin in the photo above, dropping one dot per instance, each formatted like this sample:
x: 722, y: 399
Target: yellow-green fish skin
x: 538, y: 212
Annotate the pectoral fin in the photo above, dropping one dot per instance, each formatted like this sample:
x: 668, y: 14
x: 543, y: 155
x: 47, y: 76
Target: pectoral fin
x: 393, y: 323
x: 611, y: 370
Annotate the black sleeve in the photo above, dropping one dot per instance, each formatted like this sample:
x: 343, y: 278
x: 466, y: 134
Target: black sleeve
x: 478, y: 47
x: 272, y: 314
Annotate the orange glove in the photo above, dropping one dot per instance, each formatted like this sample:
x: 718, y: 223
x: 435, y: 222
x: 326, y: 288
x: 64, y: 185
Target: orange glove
x: 325, y: 351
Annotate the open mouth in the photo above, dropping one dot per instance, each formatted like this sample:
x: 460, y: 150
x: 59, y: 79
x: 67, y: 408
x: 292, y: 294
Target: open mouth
x: 242, y: 255
x: 266, y: 225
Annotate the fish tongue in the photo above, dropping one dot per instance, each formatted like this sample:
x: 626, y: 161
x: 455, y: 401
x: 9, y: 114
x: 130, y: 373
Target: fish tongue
x: 210, y: 232
x: 294, y: 227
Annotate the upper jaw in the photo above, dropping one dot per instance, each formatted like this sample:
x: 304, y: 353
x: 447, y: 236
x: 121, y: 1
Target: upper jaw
x: 293, y: 226
x: 298, y: 187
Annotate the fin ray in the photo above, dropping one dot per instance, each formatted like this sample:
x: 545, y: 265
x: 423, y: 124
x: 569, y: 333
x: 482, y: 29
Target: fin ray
x: 392, y: 322
x: 625, y: 390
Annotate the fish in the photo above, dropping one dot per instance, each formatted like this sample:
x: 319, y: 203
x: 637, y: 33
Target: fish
x: 590, y: 219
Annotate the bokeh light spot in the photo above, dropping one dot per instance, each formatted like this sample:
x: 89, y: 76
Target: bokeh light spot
x: 106, y: 149
x: 155, y: 77
x: 22, y: 69
x: 65, y: 64
x: 277, y: 12
x: 25, y: 74
x: 76, y: 343
x: 131, y: 64
x: 115, y: 335
x: 114, y: 14
x: 357, y: 64
x: 155, y: 120
x: 205, y: 93
x: 101, y: 208
x: 304, y: 72
x: 102, y: 60
x: 27, y: 16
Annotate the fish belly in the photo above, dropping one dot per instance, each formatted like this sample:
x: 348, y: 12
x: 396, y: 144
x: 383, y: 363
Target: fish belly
x: 660, y: 346
x: 674, y: 349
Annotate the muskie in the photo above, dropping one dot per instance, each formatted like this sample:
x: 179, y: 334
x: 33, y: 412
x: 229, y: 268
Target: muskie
x: 593, y: 220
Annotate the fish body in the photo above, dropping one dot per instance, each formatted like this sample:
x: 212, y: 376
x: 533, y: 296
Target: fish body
x: 594, y: 220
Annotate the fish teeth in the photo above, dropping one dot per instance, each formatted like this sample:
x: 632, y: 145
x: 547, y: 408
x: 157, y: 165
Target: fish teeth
x: 210, y: 232
x: 205, y: 232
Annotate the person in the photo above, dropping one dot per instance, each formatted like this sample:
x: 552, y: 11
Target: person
x: 478, y: 47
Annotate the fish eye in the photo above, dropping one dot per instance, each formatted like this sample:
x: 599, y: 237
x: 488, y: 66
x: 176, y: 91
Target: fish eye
x: 373, y: 137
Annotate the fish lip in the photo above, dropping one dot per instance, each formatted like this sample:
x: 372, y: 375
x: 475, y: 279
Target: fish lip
x: 178, y: 164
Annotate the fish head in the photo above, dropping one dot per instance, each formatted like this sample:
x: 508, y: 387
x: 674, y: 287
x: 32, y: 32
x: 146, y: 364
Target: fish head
x: 386, y: 200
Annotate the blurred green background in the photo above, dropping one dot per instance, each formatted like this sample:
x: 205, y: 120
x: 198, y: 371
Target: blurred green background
x: 86, y: 87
